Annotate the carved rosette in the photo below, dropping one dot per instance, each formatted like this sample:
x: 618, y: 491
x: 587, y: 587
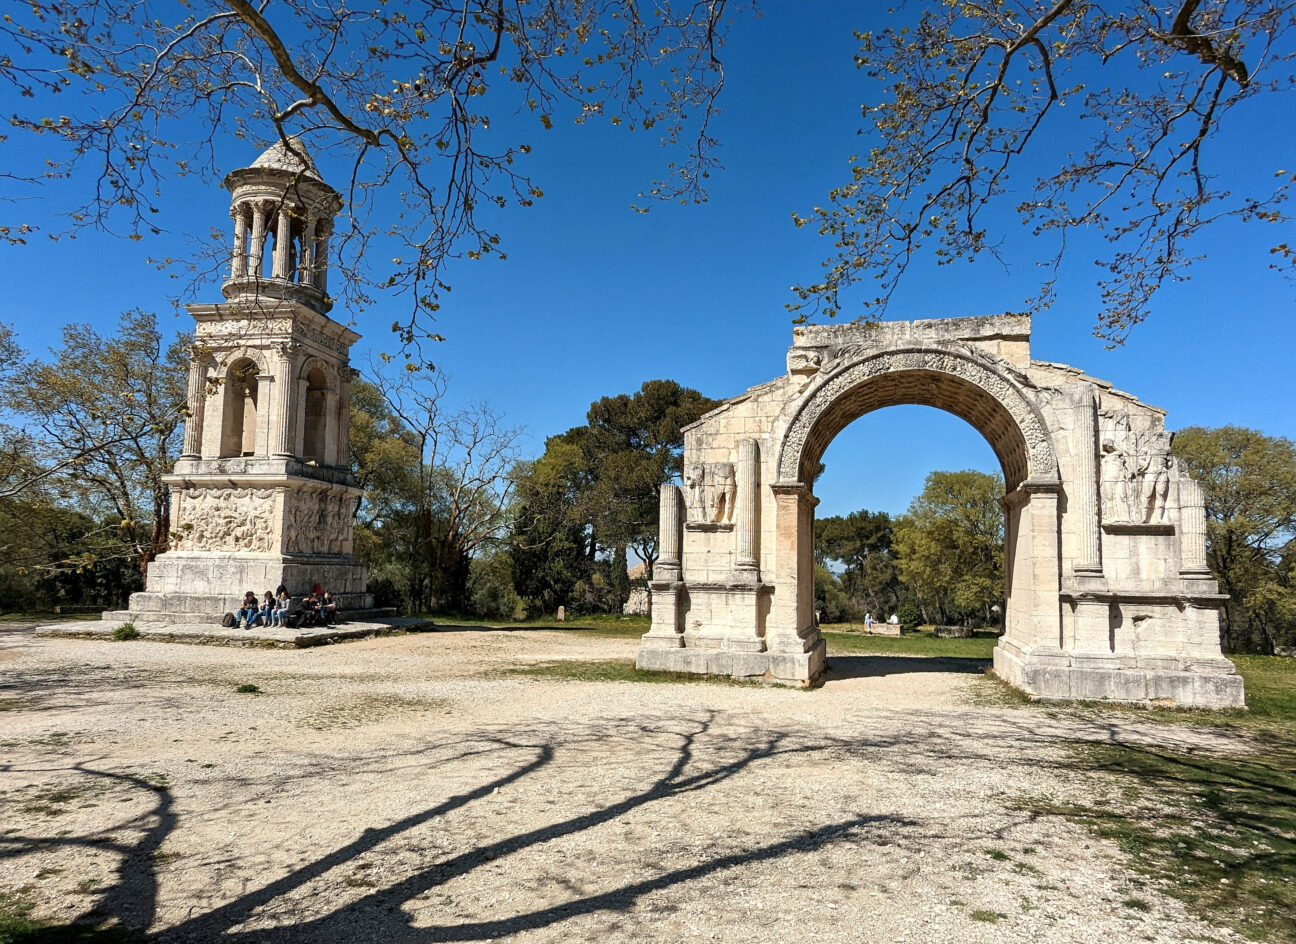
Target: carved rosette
x: 318, y: 522
x: 1042, y: 462
x: 225, y: 519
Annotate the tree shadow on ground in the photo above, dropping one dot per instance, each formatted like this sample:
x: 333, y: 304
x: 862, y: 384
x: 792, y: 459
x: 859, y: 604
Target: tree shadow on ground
x: 851, y: 667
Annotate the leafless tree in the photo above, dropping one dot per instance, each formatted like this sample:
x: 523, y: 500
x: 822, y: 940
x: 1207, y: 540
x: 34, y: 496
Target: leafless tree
x: 974, y: 97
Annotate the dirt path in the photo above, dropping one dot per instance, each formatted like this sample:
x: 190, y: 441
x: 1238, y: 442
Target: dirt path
x: 408, y: 789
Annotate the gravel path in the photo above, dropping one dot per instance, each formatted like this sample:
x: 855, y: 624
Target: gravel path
x: 409, y: 789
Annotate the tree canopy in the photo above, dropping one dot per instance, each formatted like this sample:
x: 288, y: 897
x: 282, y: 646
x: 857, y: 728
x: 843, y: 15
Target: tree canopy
x: 1248, y: 481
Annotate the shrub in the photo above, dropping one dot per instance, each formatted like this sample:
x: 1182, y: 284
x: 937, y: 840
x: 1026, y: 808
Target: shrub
x: 125, y: 632
x: 247, y: 688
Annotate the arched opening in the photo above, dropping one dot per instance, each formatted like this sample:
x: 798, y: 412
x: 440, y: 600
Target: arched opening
x: 315, y: 417
x: 909, y: 521
x: 239, y: 427
x: 996, y: 409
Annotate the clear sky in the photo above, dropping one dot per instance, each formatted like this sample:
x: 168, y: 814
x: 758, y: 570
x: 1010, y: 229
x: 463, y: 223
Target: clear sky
x: 594, y: 298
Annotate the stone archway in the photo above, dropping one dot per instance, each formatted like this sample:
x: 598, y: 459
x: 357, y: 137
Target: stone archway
x: 733, y: 589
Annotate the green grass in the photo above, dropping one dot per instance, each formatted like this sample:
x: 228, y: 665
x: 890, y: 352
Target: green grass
x: 989, y: 917
x: 1217, y: 831
x: 616, y: 670
x: 247, y: 688
x: 125, y: 632
x: 17, y: 926
x: 924, y: 643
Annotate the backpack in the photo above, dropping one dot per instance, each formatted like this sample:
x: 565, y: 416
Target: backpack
x: 228, y: 621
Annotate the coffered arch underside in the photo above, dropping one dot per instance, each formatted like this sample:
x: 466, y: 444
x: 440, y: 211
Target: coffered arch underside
x: 950, y: 381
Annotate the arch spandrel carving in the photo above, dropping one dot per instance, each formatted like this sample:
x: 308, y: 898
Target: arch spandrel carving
x: 947, y: 379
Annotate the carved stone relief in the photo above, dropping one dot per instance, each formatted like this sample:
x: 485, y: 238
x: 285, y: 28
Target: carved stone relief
x: 320, y: 338
x: 319, y: 523
x: 225, y: 519
x: 710, y: 491
x: 1042, y: 461
x: 1136, y: 466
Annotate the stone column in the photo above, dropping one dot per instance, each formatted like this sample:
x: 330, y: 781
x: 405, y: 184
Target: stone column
x: 306, y: 260
x: 321, y: 256
x: 746, y: 561
x: 345, y: 376
x: 266, y: 395
x: 256, y: 257
x: 1192, y: 528
x: 1044, y: 603
x: 281, y: 444
x: 238, y: 264
x: 332, y: 399
x: 283, y: 239
x: 670, y: 526
x: 1089, y: 555
x: 197, y: 400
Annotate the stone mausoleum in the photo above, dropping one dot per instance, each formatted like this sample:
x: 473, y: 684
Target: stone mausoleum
x: 263, y: 493
x: 1108, y: 592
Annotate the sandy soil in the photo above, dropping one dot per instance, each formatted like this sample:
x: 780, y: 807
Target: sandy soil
x: 409, y: 789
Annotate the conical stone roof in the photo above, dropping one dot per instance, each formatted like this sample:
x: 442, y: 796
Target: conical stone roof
x: 295, y: 161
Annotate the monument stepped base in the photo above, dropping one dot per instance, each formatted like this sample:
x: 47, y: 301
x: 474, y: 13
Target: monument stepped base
x: 1153, y: 680
x: 784, y: 668
x: 353, y: 626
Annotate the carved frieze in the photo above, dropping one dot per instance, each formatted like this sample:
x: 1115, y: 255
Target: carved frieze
x: 319, y: 337
x: 319, y: 522
x: 225, y: 519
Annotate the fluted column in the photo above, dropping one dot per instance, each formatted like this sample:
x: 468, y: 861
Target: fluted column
x: 281, y: 444
x: 197, y: 400
x: 670, y: 533
x: 238, y: 264
x: 283, y: 238
x: 306, y: 261
x: 1192, y: 527
x: 1085, y: 492
x: 256, y: 257
x: 321, y: 256
x: 344, y: 417
x: 745, y: 558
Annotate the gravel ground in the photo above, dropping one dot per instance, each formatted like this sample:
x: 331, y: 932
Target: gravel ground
x: 409, y: 789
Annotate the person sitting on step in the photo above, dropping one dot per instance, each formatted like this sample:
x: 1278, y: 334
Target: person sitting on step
x: 329, y: 609
x: 249, y: 612
x: 283, y: 607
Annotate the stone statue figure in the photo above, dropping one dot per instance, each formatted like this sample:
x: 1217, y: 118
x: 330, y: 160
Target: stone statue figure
x: 1116, y: 474
x: 1160, y: 489
x: 695, y: 491
x: 723, y: 491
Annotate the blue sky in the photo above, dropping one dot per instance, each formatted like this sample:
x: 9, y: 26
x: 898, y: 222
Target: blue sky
x: 594, y: 298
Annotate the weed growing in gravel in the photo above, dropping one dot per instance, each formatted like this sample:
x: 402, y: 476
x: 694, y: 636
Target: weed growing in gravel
x: 1136, y: 904
x: 125, y: 632
x: 998, y: 855
x: 87, y: 885
x: 17, y: 926
x: 247, y: 688
x: 988, y: 916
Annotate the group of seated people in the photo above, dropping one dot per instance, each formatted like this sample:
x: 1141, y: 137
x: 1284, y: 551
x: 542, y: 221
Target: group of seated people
x: 276, y: 609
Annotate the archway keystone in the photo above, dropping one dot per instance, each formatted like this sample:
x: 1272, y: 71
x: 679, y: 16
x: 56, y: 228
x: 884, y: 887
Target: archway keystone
x: 1106, y: 593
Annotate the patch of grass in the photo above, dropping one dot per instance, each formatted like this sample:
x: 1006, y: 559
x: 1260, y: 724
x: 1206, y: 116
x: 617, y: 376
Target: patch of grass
x: 125, y: 632
x: 978, y: 646
x: 247, y: 688
x: 1136, y: 904
x: 368, y: 708
x: 359, y: 881
x: 616, y: 670
x: 998, y: 855
x: 87, y: 885
x: 17, y: 926
x: 990, y: 917
x: 601, y: 624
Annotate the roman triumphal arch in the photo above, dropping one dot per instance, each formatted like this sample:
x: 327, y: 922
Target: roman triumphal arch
x: 1108, y: 592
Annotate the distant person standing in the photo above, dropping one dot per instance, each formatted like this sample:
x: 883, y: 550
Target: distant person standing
x: 868, y: 622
